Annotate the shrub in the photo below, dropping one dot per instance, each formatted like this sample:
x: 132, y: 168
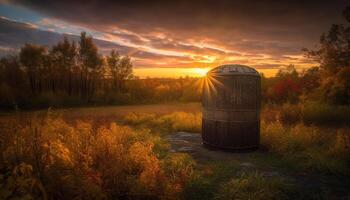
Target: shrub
x: 308, y: 147
x: 269, y: 113
x: 178, y: 168
x: 20, y: 183
x: 81, y: 162
x: 289, y: 114
x: 309, y: 112
x: 325, y: 114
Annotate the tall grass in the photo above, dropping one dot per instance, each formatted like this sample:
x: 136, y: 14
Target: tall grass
x: 174, y: 122
x: 325, y: 114
x: 315, y: 113
x: 46, y: 158
x: 252, y: 185
x: 309, y: 147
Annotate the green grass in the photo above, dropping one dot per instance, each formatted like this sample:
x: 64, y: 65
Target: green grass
x: 205, y: 182
x: 252, y: 185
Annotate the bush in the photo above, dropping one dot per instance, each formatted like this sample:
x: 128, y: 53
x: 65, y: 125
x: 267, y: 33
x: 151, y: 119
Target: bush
x: 66, y: 162
x: 325, y: 114
x: 309, y: 147
x: 309, y: 112
x: 20, y: 183
x: 289, y: 114
x: 178, y: 168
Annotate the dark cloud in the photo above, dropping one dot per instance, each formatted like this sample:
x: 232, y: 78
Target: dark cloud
x: 134, y: 39
x: 266, y: 66
x: 221, y: 28
x: 293, y: 23
x: 156, y: 56
x: 13, y: 35
x: 185, y: 48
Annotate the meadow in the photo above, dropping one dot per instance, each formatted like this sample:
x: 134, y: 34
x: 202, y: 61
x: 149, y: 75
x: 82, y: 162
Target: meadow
x: 105, y: 133
x: 123, y: 152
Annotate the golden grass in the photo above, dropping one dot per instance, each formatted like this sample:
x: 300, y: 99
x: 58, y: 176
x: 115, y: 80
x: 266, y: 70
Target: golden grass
x: 173, y: 122
x: 58, y: 157
x: 48, y: 157
x: 311, y: 147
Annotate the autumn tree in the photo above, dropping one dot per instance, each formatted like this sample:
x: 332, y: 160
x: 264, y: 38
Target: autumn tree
x: 333, y: 57
x: 286, y: 86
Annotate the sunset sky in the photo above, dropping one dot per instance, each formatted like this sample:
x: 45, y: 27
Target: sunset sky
x: 177, y: 38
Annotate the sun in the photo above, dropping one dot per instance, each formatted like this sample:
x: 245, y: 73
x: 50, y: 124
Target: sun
x: 201, y: 71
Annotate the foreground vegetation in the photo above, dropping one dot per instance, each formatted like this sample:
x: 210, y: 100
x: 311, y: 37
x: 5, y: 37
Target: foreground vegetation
x: 50, y: 157
x: 308, y: 147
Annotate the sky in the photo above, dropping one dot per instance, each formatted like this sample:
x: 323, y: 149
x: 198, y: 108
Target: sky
x: 178, y: 38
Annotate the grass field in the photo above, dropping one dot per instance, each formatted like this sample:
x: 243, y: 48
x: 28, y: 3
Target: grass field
x: 111, y: 112
x: 125, y: 152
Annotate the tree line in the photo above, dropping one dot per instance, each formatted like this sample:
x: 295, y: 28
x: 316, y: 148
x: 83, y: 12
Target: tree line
x: 67, y: 68
x: 328, y: 82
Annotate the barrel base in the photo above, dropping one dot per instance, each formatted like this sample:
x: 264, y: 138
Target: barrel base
x: 231, y: 149
x: 231, y: 135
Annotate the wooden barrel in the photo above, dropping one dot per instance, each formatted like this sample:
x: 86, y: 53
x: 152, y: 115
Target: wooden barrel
x: 231, y: 107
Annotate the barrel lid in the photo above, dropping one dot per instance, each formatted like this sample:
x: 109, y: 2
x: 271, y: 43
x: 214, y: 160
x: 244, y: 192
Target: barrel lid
x: 233, y: 69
